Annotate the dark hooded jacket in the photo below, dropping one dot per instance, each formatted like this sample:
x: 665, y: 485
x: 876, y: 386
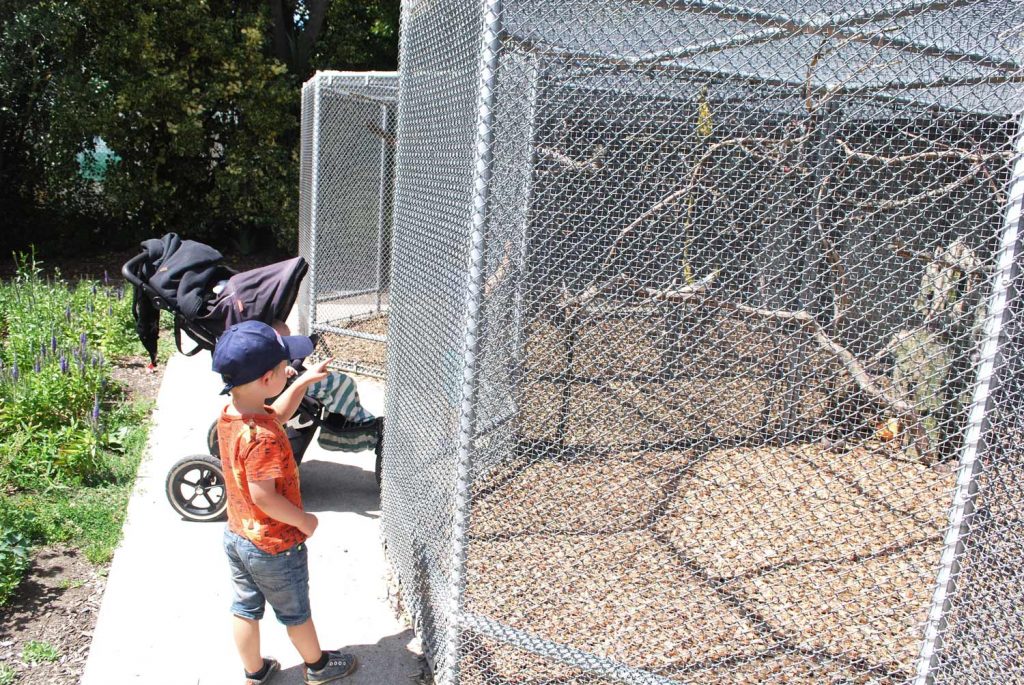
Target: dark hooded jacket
x: 181, y: 275
x: 181, y: 272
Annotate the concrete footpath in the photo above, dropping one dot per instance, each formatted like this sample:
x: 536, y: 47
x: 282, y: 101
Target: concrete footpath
x: 164, y: 618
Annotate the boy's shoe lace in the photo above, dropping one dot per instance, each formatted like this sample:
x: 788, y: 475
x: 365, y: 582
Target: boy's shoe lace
x: 274, y: 666
x: 338, y: 666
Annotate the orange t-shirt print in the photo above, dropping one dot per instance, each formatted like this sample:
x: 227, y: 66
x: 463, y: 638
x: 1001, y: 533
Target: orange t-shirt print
x: 254, y: 447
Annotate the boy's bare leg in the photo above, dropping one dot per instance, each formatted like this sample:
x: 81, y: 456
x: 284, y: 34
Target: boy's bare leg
x: 247, y: 639
x: 306, y: 642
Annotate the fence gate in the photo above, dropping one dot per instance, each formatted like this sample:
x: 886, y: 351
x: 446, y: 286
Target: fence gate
x: 705, y: 344
x: 345, y: 207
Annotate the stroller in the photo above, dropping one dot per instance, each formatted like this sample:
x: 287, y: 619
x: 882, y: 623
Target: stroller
x: 205, y: 297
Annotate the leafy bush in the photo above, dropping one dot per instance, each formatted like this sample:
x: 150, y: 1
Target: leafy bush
x: 199, y: 102
x: 69, y: 445
x: 14, y: 561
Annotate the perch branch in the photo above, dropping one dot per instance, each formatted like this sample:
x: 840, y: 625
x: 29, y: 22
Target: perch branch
x: 380, y: 133
x: 951, y: 153
x: 676, y: 195
x: 901, y: 249
x: 858, y: 372
x: 591, y: 164
x: 907, y: 201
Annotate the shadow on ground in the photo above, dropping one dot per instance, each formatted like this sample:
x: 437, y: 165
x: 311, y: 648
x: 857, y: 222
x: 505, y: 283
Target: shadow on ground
x: 372, y: 665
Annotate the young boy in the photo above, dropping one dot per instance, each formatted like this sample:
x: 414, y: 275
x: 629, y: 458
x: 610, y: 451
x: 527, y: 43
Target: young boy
x: 265, y: 539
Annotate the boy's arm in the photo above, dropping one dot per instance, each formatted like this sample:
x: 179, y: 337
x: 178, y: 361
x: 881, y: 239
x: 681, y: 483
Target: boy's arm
x: 288, y: 401
x: 275, y: 505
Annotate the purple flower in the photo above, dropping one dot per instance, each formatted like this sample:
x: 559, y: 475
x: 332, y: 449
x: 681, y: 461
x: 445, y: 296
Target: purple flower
x: 53, y: 343
x: 89, y: 307
x: 110, y: 311
x: 14, y: 372
x: 36, y: 365
x: 83, y: 340
x: 96, y: 409
x: 94, y: 286
x: 64, y: 366
x: 67, y: 313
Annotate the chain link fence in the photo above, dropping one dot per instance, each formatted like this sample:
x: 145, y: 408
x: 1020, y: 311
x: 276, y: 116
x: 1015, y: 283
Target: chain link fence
x: 346, y: 183
x: 705, y: 342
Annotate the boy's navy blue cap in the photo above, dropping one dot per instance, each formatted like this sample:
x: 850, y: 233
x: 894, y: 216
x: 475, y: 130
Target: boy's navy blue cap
x: 249, y: 349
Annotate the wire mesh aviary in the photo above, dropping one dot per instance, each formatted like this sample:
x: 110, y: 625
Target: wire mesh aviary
x: 704, y: 341
x: 345, y: 209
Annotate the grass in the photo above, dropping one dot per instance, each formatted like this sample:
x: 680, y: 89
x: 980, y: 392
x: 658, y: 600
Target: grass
x: 7, y: 675
x: 70, y: 442
x: 38, y: 652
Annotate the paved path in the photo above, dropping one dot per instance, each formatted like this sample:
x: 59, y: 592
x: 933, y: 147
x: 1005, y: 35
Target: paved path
x: 164, y: 617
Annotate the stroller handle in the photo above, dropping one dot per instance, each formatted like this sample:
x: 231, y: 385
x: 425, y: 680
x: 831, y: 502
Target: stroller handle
x: 128, y: 270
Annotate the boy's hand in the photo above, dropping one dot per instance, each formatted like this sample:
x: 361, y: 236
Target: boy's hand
x: 290, y: 372
x: 309, y: 524
x: 315, y: 373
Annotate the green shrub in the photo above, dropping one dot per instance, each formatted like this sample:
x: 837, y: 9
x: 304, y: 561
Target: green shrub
x: 14, y: 561
x: 36, y: 652
x: 69, y: 445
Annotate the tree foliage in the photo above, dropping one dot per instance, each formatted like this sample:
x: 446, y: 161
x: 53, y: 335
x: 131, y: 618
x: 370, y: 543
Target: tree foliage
x: 199, y: 99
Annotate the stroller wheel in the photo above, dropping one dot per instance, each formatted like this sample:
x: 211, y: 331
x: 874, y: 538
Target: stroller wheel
x: 212, y: 442
x: 195, y: 488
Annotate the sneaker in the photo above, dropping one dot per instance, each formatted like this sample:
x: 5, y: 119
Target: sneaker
x: 275, y: 665
x: 338, y: 666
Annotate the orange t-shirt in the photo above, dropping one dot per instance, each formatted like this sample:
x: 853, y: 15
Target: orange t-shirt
x: 255, y: 447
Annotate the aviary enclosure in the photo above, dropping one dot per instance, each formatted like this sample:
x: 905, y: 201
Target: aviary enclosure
x: 345, y: 202
x: 704, y: 357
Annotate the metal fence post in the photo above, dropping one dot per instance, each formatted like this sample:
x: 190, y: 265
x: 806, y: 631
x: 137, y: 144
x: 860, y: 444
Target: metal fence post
x: 483, y: 167
x: 978, y: 424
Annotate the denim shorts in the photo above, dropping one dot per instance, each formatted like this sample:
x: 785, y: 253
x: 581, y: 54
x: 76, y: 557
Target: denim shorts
x: 259, y: 577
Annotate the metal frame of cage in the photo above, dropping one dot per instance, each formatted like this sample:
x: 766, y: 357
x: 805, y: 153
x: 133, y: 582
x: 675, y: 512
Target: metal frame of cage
x: 467, y: 285
x: 345, y: 212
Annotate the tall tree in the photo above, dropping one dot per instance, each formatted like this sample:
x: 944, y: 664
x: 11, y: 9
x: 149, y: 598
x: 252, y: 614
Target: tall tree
x: 44, y: 110
x: 335, y: 34
x: 199, y: 99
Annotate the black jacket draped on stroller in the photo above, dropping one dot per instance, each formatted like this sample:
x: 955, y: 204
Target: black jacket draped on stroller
x: 190, y: 280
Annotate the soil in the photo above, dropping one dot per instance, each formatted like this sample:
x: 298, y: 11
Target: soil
x: 57, y: 604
